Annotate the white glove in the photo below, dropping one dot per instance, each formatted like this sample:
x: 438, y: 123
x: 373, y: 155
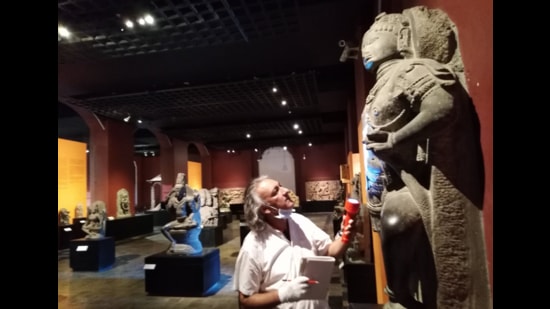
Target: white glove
x: 293, y: 290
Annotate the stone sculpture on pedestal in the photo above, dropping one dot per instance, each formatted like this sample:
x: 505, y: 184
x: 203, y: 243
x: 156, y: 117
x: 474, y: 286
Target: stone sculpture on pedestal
x: 64, y: 217
x: 424, y: 163
x: 123, y: 203
x: 96, y: 220
x: 184, y: 231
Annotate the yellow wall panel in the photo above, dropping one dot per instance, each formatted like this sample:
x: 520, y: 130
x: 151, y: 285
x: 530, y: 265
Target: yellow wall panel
x: 71, y: 175
x: 194, y: 179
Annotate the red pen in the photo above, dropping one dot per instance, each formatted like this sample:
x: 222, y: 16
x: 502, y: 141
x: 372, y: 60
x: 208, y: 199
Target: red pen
x: 308, y: 282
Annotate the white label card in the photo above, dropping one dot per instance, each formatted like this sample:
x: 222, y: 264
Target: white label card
x: 149, y: 266
x: 67, y: 229
x: 82, y: 248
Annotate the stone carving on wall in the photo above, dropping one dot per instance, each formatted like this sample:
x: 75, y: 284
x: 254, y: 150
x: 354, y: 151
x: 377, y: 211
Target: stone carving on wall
x: 64, y: 217
x: 123, y: 203
x: 423, y: 163
x: 95, y: 223
x: 233, y: 195
x: 183, y: 232
x: 224, y: 200
x: 325, y: 190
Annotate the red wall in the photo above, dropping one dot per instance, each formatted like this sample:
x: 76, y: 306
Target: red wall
x: 322, y: 162
x: 232, y: 170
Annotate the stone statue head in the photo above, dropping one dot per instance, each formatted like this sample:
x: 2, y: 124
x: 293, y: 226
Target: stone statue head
x: 380, y: 42
x: 180, y: 180
x: 418, y: 32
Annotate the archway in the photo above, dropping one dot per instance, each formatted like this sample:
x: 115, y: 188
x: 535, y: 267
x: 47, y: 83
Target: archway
x: 278, y: 163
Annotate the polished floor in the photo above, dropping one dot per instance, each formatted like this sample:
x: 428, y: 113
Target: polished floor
x: 123, y: 285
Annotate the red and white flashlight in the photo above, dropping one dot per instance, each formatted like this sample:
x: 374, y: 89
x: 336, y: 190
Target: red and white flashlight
x: 352, y: 207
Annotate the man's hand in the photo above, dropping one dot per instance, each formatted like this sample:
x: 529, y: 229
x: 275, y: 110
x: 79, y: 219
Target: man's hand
x: 293, y: 290
x: 348, y: 229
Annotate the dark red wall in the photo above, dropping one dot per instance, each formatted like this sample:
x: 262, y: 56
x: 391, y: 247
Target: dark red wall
x: 322, y: 162
x: 232, y: 170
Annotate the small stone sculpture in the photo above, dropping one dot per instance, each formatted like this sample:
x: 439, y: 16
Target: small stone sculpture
x: 123, y: 203
x: 79, y: 211
x: 96, y: 221
x: 183, y: 232
x: 209, y: 214
x: 64, y: 217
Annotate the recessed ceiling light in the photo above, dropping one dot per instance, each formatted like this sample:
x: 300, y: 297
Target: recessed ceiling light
x: 63, y: 32
x: 149, y: 19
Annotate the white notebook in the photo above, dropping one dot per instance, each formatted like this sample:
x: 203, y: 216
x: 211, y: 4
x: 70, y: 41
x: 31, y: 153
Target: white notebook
x: 319, y: 268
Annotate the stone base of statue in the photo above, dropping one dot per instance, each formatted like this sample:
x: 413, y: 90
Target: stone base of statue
x: 94, y: 254
x: 192, y: 275
x: 182, y: 249
x: 211, y: 236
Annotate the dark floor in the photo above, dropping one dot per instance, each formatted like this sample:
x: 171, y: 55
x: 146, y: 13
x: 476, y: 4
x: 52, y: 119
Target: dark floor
x: 123, y: 285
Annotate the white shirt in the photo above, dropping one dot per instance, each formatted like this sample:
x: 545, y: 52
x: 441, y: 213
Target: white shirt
x: 268, y: 257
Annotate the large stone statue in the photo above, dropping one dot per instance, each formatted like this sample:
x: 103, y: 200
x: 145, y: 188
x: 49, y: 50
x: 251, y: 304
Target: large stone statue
x: 424, y: 163
x: 183, y: 232
x: 96, y: 220
x: 123, y: 203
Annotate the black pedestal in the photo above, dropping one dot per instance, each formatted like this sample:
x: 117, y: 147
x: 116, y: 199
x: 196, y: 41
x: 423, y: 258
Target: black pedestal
x: 211, y: 236
x: 361, y: 282
x: 122, y: 228
x: 92, y: 254
x: 64, y: 233
x: 182, y: 275
x: 160, y: 217
x: 237, y: 210
x: 226, y: 217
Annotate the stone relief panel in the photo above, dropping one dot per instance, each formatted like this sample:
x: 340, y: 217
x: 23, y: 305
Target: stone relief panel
x: 232, y: 195
x: 325, y: 190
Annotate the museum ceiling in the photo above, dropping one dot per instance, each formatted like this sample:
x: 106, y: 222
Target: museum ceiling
x: 203, y: 70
